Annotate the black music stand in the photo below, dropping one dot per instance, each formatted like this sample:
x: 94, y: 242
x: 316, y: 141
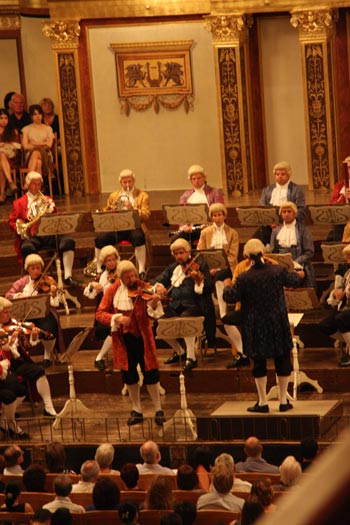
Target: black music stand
x: 330, y: 214
x: 197, y: 214
x: 115, y: 221
x: 215, y: 258
x: 60, y: 224
x: 283, y: 259
x: 261, y: 216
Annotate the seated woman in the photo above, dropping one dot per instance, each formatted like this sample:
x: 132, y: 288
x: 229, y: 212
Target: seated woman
x: 290, y: 470
x: 295, y: 238
x: 108, y: 260
x: 50, y: 117
x: 37, y: 142
x: 105, y: 495
x: 9, y: 148
x: 160, y: 495
x: 187, y: 478
x: 31, y: 285
x: 12, y: 492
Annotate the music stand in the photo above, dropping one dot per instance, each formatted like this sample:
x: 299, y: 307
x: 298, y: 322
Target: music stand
x: 257, y: 215
x: 73, y: 406
x: 188, y: 214
x: 174, y: 328
x: 34, y: 307
x: 283, y: 259
x: 330, y: 214
x: 332, y: 253
x: 60, y: 224
x: 215, y: 258
x: 115, y: 221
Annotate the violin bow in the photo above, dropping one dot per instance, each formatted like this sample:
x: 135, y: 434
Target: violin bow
x: 43, y: 273
x: 187, y: 267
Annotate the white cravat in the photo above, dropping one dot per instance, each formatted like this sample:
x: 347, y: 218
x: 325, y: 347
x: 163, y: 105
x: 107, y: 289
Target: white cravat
x: 279, y: 194
x: 198, y: 197
x: 122, y: 301
x: 219, y: 238
x: 178, y: 276
x: 287, y: 236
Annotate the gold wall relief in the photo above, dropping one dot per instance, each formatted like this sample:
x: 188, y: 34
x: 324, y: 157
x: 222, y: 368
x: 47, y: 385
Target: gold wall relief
x: 316, y: 29
x: 67, y: 68
x: 230, y: 33
x: 10, y: 22
x: 63, y: 33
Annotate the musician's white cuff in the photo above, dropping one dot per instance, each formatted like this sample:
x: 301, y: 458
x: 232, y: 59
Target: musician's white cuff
x: 17, y: 295
x: 90, y: 292
x: 54, y: 301
x: 157, y: 312
x: 5, y: 365
x: 198, y: 288
x: 114, y: 322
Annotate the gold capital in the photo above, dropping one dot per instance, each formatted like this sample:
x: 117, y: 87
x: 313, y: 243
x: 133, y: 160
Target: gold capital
x: 10, y: 22
x: 63, y: 33
x: 229, y: 28
x: 314, y: 24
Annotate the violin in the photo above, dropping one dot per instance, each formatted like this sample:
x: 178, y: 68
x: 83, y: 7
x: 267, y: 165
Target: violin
x: 141, y: 289
x: 44, y: 283
x: 192, y: 270
x: 24, y: 328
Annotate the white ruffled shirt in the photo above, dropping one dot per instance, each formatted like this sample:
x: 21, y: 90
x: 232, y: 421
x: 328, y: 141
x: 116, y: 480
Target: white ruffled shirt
x: 287, y: 236
x: 179, y: 276
x: 279, y: 194
x: 219, y: 237
x: 198, y: 197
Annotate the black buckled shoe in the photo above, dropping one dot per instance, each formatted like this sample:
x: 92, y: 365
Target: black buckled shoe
x: 344, y: 360
x: 159, y: 418
x: 135, y: 418
x: 46, y: 413
x: 100, y: 365
x: 47, y: 363
x: 70, y: 282
x: 286, y: 406
x: 175, y: 358
x: 261, y: 409
x: 190, y: 364
x: 239, y: 360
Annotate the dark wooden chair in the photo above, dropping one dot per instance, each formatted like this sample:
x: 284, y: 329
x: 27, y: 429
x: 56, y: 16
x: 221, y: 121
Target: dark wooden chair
x: 145, y: 480
x: 216, y: 517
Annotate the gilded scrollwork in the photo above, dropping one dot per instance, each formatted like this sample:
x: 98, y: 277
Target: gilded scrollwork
x: 70, y: 113
x: 63, y: 33
x: 10, y: 23
x: 228, y: 28
x: 313, y: 23
x: 142, y: 103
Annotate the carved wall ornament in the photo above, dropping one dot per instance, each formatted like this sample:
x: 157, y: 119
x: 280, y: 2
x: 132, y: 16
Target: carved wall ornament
x: 10, y: 23
x: 154, y: 74
x: 315, y: 23
x: 229, y: 28
x: 63, y: 33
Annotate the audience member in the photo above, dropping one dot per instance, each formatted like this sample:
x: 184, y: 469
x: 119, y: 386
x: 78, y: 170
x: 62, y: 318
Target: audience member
x: 7, y: 101
x: 295, y: 238
x: 277, y: 193
x: 290, y: 471
x: 202, y: 463
x: 62, y: 486
x: 187, y: 478
x: 50, y: 118
x: 104, y: 456
x: 34, y: 478
x: 341, y: 195
x: 127, y: 198
x: 128, y: 513
x: 252, y: 510
x: 13, y: 457
x: 37, y: 142
x: 2, y: 466
x: 308, y: 451
x: 89, y: 473
x: 262, y: 489
x: 12, y: 492
x: 160, y: 495
x: 129, y: 473
x: 200, y: 193
x: 187, y: 510
x: 171, y: 518
x: 254, y: 462
x: 106, y: 495
x: 239, y: 485
x: 220, y: 495
x: 55, y: 457
x: 19, y: 117
x: 9, y: 148
x: 62, y: 516
x: 41, y: 517
x: 150, y: 453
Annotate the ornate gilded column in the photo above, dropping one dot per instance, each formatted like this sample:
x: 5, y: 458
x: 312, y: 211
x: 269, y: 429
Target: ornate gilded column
x: 316, y: 31
x: 230, y: 37
x: 65, y: 40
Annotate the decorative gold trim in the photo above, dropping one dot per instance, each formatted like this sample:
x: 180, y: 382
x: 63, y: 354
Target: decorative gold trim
x: 229, y: 28
x: 10, y: 23
x: 312, y: 24
x: 154, y: 74
x: 63, y: 33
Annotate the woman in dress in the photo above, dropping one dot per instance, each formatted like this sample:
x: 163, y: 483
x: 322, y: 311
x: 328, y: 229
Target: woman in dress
x: 37, y: 141
x: 9, y: 146
x: 12, y: 493
x: 50, y: 117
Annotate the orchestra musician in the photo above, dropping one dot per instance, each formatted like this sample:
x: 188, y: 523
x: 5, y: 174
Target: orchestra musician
x: 200, y: 193
x: 126, y: 309
x: 15, y: 349
x: 12, y: 391
x: 33, y: 284
x: 187, y: 283
x: 25, y: 214
x: 127, y: 198
x: 108, y: 260
x: 341, y: 195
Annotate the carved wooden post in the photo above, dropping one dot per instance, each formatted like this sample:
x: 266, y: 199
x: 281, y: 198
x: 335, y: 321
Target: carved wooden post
x: 65, y: 41
x: 230, y: 36
x: 316, y: 30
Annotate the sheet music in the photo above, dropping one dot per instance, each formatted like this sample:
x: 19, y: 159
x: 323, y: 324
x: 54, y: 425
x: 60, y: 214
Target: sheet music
x: 115, y: 221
